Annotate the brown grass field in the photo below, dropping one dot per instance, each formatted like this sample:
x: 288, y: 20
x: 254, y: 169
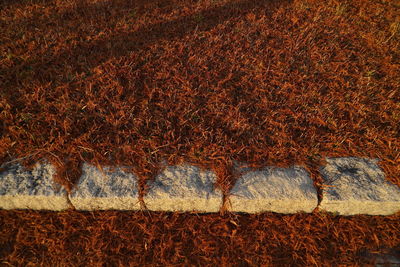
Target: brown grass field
x: 210, y: 82
x: 167, y: 239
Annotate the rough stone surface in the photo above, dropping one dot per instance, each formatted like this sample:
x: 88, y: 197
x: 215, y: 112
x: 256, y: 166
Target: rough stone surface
x: 183, y: 188
x: 283, y: 190
x: 31, y: 189
x: 358, y: 186
x: 105, y: 189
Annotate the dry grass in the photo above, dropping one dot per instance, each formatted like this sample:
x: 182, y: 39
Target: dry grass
x: 208, y: 82
x: 135, y: 82
x: 170, y: 239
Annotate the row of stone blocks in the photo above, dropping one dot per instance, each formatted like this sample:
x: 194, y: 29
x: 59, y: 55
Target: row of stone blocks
x: 352, y: 186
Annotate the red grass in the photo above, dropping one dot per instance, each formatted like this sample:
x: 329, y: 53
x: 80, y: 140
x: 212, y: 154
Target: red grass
x: 136, y: 82
x: 142, y: 239
x: 208, y: 82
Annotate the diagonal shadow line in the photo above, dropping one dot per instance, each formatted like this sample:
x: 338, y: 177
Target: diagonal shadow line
x: 61, y: 18
x: 121, y: 44
x: 83, y: 7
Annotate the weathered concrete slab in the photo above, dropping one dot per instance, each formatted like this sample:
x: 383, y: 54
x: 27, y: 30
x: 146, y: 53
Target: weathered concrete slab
x: 31, y: 189
x: 105, y: 190
x: 183, y: 188
x: 358, y: 186
x: 282, y: 190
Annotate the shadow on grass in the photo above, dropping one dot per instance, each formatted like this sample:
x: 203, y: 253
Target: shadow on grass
x: 87, y: 55
x: 13, y: 3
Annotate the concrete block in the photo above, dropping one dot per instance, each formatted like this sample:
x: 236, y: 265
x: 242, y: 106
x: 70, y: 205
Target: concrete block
x: 183, y: 188
x: 31, y: 189
x: 107, y: 189
x: 282, y: 190
x: 358, y: 186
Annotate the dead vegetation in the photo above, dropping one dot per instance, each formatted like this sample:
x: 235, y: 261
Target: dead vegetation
x: 171, y: 239
x: 137, y: 82
x: 125, y: 82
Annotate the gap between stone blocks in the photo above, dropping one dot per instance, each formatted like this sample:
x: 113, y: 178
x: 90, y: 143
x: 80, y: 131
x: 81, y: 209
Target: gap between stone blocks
x: 351, y: 186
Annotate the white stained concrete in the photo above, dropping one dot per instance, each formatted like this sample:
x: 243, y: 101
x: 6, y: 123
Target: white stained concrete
x: 358, y: 186
x: 183, y: 188
x: 105, y: 190
x: 282, y: 190
x: 31, y: 189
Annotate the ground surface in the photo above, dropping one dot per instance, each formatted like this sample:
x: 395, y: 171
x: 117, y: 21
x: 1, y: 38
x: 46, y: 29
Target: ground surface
x: 138, y: 82
x: 142, y: 239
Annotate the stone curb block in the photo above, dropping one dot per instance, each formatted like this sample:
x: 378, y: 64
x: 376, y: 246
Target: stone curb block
x: 183, y: 188
x: 282, y: 190
x: 358, y: 186
x: 31, y: 189
x: 352, y: 186
x: 107, y: 189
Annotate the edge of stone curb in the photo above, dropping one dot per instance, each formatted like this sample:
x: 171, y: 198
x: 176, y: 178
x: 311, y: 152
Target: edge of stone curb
x: 352, y: 186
